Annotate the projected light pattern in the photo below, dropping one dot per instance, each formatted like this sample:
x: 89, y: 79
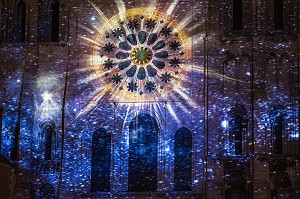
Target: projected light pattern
x: 155, y: 104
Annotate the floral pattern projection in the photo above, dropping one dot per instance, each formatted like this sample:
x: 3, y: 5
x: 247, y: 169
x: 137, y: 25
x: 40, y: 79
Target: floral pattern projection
x: 141, y: 54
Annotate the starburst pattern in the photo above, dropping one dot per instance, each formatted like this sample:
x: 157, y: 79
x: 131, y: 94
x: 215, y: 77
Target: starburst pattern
x: 150, y: 23
x: 118, y: 32
x: 133, y: 24
x: 132, y: 86
x: 117, y: 78
x: 108, y: 64
x: 150, y: 86
x: 174, y: 45
x: 166, y: 31
x: 174, y: 62
x: 166, y: 77
x: 109, y: 47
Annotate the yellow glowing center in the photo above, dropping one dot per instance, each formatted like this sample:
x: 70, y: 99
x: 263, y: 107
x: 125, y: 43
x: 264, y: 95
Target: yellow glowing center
x: 141, y: 55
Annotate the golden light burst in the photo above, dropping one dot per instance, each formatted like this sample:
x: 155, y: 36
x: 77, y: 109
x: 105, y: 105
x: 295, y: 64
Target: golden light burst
x: 117, y: 90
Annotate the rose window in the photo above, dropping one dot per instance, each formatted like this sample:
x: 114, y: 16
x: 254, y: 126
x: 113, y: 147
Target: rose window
x: 142, y: 54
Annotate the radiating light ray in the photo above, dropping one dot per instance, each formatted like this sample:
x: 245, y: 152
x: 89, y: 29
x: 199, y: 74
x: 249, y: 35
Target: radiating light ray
x: 185, y: 20
x: 101, y: 14
x: 92, y: 103
x: 198, y: 38
x: 185, y: 96
x: 91, y: 41
x: 172, y: 7
x: 86, y: 28
x: 152, y: 7
x: 172, y: 113
x: 121, y: 8
x: 212, y: 73
x: 90, y: 78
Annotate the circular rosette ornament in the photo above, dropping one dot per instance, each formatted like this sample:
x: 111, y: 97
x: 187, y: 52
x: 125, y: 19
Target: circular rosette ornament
x: 140, y: 56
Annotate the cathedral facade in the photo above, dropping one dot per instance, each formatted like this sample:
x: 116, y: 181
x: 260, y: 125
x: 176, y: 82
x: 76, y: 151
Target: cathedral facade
x: 150, y: 99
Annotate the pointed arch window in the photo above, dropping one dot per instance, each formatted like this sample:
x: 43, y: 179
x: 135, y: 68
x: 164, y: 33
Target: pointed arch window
x: 101, y: 160
x: 282, y: 187
x: 183, y: 160
x: 21, y: 21
x: 142, y: 174
x: 277, y: 116
x: 236, y: 188
x: 48, y: 139
x: 47, y: 191
x: 55, y: 21
x: 237, y: 128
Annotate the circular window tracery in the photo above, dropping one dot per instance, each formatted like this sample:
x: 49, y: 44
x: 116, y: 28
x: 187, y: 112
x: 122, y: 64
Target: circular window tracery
x: 141, y: 55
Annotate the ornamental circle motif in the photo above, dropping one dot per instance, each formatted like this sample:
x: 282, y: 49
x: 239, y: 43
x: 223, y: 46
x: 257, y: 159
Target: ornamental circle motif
x: 140, y: 55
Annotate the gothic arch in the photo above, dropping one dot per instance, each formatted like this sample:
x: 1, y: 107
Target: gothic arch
x: 183, y: 160
x: 48, y: 139
x: 237, y: 126
x: 47, y: 191
x: 101, y: 160
x: 236, y: 188
x: 277, y: 126
x: 282, y: 187
x: 143, y: 136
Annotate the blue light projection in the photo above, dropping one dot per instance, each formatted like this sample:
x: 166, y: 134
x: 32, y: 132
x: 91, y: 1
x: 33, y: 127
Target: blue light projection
x: 153, y: 104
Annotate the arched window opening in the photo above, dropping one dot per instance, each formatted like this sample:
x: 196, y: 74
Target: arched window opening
x: 21, y: 21
x: 183, y: 160
x: 47, y: 191
x: 237, y: 12
x: 278, y: 14
x: 55, y: 21
x: 48, y: 139
x: 101, y: 160
x: 282, y: 187
x: 142, y: 174
x: 237, y: 128
x: 48, y: 143
x: 236, y: 188
x: 277, y: 128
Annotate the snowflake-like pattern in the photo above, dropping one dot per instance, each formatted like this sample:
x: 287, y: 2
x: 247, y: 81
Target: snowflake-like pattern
x: 150, y: 23
x: 109, y: 47
x: 166, y: 31
x: 138, y: 60
x: 174, y: 45
x: 133, y: 24
x: 132, y: 86
x: 117, y: 78
x: 118, y: 32
x: 108, y: 64
x: 150, y: 86
x: 174, y: 62
x: 166, y: 77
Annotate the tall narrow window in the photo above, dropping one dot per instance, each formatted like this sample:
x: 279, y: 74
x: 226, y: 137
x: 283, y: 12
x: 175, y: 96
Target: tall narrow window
x: 21, y: 20
x: 282, y: 187
x: 183, y: 160
x: 142, y: 174
x: 43, y: 22
x: 101, y: 160
x: 236, y: 188
x: 237, y: 15
x: 55, y: 21
x: 278, y: 14
x: 47, y: 191
x: 277, y: 132
x: 237, y: 127
x: 48, y: 142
